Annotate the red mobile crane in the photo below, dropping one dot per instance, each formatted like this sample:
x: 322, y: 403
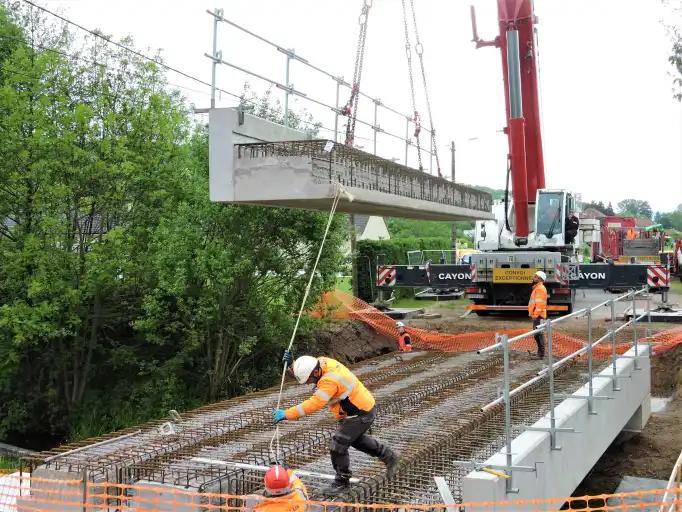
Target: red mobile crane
x: 529, y: 234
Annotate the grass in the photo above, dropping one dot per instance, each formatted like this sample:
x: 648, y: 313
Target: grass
x: 343, y: 284
x: 676, y: 285
x: 8, y: 464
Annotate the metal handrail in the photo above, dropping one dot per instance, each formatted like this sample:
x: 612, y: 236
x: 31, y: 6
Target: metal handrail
x: 569, y: 357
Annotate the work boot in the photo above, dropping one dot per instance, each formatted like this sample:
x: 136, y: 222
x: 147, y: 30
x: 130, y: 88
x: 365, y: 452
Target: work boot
x: 338, y: 486
x: 391, y: 460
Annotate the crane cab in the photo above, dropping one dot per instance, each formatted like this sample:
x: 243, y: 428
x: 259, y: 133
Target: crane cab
x: 549, y: 213
x: 552, y: 210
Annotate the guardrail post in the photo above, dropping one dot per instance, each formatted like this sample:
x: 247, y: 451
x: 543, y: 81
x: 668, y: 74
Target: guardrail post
x: 214, y: 63
x: 504, y: 339
x: 286, y: 92
x: 336, y: 112
x: 634, y: 330
x: 614, y: 356
x: 590, y: 387
x: 374, y: 128
x: 407, y: 137
x: 648, y: 314
x: 550, y: 370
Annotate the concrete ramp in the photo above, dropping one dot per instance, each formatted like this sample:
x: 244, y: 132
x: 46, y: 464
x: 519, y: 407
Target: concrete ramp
x: 253, y: 161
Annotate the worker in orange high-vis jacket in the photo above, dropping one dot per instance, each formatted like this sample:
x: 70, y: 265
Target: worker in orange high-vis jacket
x: 404, y: 339
x: 284, y: 492
x: 353, y: 406
x: 537, y: 308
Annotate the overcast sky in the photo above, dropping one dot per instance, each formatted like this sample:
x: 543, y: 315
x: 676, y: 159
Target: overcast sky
x: 611, y: 128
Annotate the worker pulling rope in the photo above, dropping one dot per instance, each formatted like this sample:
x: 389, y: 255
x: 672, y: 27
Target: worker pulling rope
x: 276, y: 454
x: 351, y: 108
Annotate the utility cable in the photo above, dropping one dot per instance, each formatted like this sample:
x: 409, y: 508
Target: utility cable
x: 276, y: 436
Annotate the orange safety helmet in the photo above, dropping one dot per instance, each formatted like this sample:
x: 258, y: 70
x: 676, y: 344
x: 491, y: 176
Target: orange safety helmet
x: 277, y: 481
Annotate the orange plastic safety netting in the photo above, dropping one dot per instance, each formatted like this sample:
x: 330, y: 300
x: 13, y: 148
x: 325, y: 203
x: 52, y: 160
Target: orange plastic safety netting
x: 23, y: 493
x: 342, y: 306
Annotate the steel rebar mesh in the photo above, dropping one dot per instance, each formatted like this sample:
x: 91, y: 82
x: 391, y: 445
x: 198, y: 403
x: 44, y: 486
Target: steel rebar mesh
x: 354, y: 168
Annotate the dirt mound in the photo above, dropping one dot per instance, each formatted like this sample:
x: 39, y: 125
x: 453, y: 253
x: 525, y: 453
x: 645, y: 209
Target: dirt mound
x: 347, y: 341
x: 651, y: 454
x: 666, y: 372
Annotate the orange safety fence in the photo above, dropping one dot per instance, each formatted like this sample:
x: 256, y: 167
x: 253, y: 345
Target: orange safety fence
x: 24, y: 494
x: 342, y: 306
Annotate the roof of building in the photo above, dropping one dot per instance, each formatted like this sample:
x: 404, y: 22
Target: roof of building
x: 642, y: 222
x: 591, y: 213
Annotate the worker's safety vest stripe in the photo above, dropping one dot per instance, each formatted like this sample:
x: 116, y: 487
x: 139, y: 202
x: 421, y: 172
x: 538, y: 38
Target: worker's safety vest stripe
x: 300, y: 410
x: 344, y: 382
x: 323, y: 395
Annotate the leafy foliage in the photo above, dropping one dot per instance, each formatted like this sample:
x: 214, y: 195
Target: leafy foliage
x: 124, y: 291
x: 635, y: 208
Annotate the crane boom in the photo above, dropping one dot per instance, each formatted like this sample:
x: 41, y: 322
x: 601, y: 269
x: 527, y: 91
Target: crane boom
x: 516, y: 41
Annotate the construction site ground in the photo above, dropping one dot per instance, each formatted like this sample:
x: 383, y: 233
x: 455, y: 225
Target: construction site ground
x: 650, y: 454
x: 429, y: 410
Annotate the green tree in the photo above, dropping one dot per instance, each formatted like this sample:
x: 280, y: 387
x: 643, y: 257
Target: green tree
x: 123, y: 291
x: 675, y: 59
x: 230, y: 279
x: 90, y: 159
x: 635, y: 208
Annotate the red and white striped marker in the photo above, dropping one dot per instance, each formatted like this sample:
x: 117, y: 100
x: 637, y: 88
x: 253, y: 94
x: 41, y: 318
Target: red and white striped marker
x: 386, y: 276
x: 474, y: 276
x: 657, y: 276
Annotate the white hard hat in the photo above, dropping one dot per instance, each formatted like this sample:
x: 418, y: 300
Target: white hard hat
x: 399, y: 325
x: 303, y: 367
x: 541, y: 275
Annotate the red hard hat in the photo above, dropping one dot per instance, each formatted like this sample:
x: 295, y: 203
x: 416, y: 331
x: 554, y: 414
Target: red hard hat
x: 277, y: 481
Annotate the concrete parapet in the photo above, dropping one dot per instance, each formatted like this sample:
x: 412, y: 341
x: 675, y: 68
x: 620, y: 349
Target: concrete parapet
x: 558, y: 472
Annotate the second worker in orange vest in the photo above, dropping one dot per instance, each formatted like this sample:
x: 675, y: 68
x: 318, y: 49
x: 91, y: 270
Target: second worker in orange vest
x: 353, y: 406
x: 404, y: 339
x: 537, y: 308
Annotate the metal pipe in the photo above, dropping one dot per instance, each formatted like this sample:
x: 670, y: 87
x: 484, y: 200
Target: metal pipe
x: 336, y: 113
x: 219, y: 17
x: 286, y: 91
x: 514, y: 75
x: 507, y: 412
x: 374, y: 128
x: 214, y: 63
x: 648, y: 314
x: 407, y: 134
x: 552, y: 415
x: 590, y: 385
x: 613, y: 345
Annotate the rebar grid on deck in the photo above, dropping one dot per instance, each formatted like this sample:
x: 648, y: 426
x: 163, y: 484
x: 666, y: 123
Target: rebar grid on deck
x: 354, y: 168
x: 106, y: 456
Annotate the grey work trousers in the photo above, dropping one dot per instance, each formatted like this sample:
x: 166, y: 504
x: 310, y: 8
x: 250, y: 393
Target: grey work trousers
x: 351, y: 432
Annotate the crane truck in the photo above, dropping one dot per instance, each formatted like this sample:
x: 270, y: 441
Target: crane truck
x: 529, y: 232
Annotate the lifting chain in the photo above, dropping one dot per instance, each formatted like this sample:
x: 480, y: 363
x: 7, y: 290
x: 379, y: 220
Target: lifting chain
x: 416, y: 118
x: 419, y: 49
x: 351, y: 108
